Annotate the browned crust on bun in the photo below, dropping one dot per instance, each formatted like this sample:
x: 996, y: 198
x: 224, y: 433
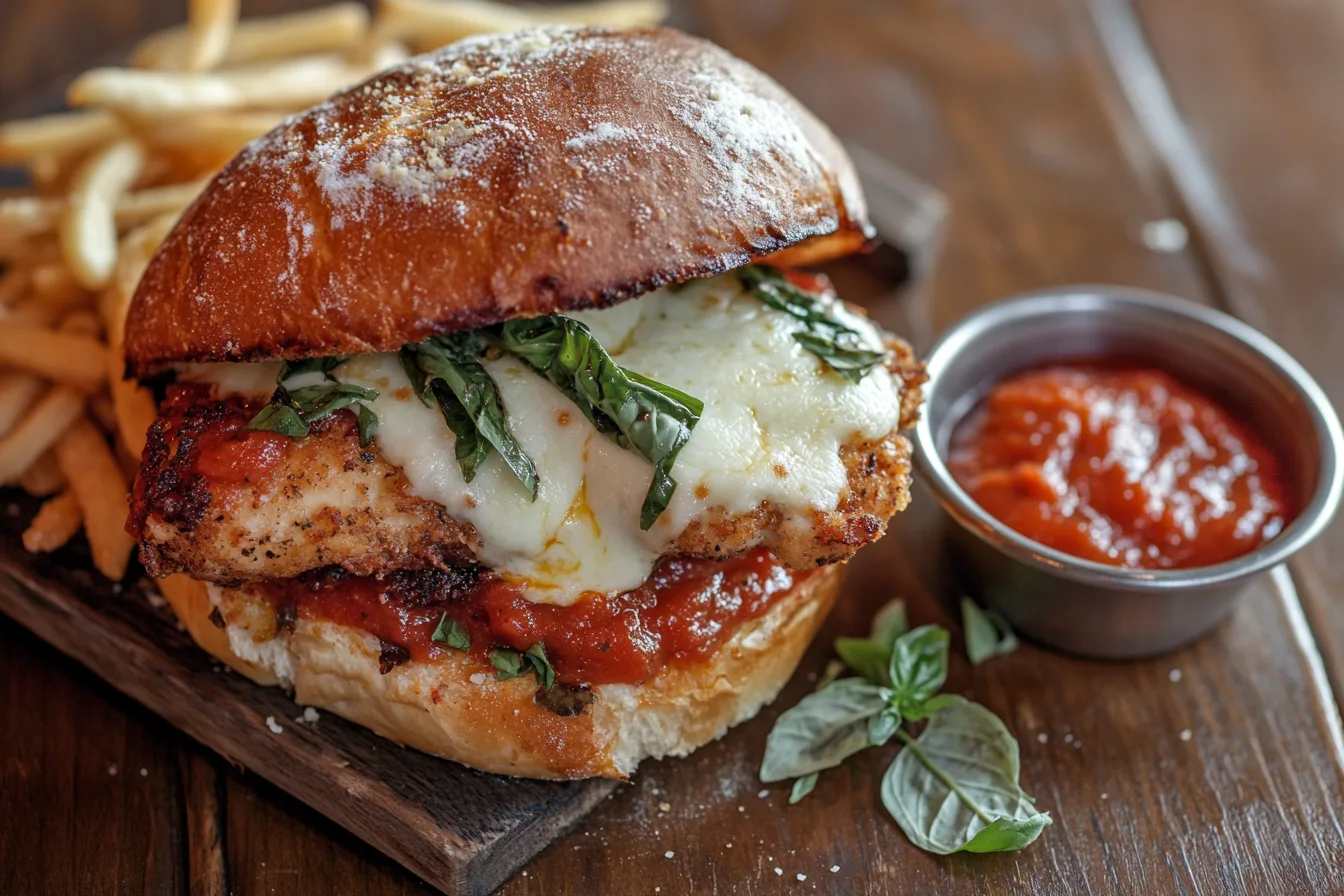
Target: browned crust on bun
x: 504, y: 176
x: 455, y: 708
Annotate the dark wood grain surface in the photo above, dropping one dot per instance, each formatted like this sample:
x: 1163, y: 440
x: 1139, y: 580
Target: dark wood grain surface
x: 1057, y: 128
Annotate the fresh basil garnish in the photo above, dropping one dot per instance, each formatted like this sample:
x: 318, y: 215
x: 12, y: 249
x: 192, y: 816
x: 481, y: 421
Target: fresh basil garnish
x: 839, y: 346
x: 294, y: 413
x: 987, y: 633
x: 955, y: 787
x: 323, y: 366
x: 637, y: 413
x: 450, y: 633
x: 824, y: 729
x: 448, y: 369
x: 802, y: 787
x: 514, y: 663
x: 918, y: 666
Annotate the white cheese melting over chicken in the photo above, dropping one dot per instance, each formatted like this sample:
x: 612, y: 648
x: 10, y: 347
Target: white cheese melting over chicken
x: 774, y: 421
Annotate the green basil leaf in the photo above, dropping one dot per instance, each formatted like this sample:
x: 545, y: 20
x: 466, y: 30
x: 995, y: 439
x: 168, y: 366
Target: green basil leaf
x: 802, y: 787
x: 293, y: 413
x: 368, y: 424
x: 323, y: 366
x: 536, y: 655
x: 1008, y: 834
x: 513, y: 664
x: 840, y: 347
x: 508, y: 663
x: 448, y: 368
x: 450, y: 633
x: 958, y: 780
x: 641, y: 415
x: 889, y: 623
x: 316, y: 402
x: 279, y: 418
x: 869, y: 659
x: 822, y: 730
x: 987, y: 633
x: 883, y: 725
x: 848, y: 357
x: 930, y: 706
x: 918, y: 665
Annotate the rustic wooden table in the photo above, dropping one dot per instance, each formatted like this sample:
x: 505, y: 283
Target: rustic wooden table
x: 1057, y: 128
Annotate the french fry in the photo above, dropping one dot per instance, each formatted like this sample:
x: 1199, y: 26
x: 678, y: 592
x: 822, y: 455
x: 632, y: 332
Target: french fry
x: 54, y: 286
x: 135, y: 251
x: 102, y: 410
x: 426, y: 24
x: 18, y: 391
x: 14, y: 282
x: 55, y: 524
x: 32, y: 312
x: 21, y: 250
x: 77, y: 361
x: 88, y: 228
x: 56, y: 136
x: 39, y: 429
x: 223, y: 133
x: 83, y: 322
x: 210, y: 25
x: 293, y: 84
x: 327, y: 29
x: 100, y: 487
x: 44, y: 477
x: 135, y: 410
x: 30, y: 216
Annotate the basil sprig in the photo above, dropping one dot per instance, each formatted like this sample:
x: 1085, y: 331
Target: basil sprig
x: 449, y: 632
x: 447, y: 370
x: 292, y: 413
x: 954, y: 787
x: 516, y: 663
x: 987, y: 632
x: 839, y: 346
x: 635, y: 412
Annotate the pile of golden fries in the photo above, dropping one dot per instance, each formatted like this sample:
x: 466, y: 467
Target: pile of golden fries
x: 109, y: 181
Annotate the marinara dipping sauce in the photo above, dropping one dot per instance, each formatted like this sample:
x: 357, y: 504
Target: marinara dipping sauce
x: 1120, y: 464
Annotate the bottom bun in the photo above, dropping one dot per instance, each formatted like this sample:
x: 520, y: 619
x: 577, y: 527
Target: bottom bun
x: 453, y: 707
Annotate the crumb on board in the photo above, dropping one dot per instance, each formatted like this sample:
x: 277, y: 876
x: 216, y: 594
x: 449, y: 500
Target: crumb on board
x: 669, y: 854
x: 835, y: 868
x: 802, y: 876
x: 1042, y: 737
x: 144, y: 773
x: 1164, y: 235
x: 112, y: 769
x: 1186, y: 734
x: 779, y: 871
x: 272, y: 724
x: 1174, y: 675
x: 763, y: 793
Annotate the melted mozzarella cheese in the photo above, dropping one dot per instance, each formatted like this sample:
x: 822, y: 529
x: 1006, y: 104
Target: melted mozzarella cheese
x: 772, y: 428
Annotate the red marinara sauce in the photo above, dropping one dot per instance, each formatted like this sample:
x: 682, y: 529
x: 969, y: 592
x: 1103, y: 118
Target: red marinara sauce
x: 682, y: 613
x: 1120, y: 464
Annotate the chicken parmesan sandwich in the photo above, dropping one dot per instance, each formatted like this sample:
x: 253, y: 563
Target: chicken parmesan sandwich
x: 496, y: 415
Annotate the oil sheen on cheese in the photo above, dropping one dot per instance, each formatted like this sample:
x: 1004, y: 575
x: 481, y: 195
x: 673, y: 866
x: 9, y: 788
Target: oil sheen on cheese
x: 772, y: 428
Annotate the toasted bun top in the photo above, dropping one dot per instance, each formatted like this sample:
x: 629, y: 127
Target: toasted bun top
x: 508, y: 175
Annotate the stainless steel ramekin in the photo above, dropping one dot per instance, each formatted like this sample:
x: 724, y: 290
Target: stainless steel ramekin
x: 1090, y: 608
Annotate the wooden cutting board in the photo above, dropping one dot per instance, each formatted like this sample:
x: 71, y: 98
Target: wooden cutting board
x: 460, y: 830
